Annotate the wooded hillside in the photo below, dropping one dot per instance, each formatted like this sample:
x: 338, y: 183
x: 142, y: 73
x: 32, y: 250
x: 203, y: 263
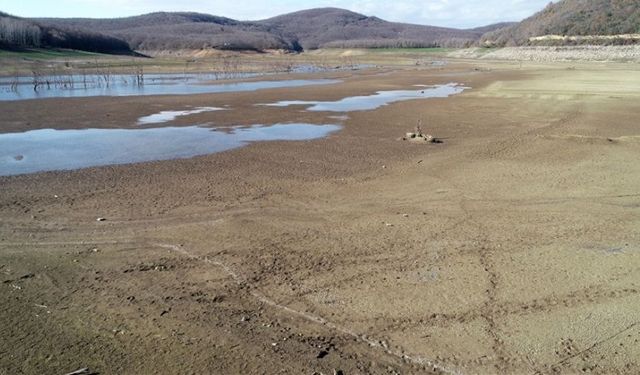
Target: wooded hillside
x: 573, y: 18
x: 16, y: 32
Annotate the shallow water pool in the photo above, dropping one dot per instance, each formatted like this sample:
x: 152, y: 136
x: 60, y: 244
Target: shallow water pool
x: 167, y: 85
x: 167, y: 116
x: 375, y: 101
x: 49, y: 149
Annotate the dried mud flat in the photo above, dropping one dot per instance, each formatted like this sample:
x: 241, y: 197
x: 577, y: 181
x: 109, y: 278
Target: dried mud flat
x: 513, y: 247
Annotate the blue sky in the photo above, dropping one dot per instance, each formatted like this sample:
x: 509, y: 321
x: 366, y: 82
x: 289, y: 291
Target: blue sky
x: 451, y: 13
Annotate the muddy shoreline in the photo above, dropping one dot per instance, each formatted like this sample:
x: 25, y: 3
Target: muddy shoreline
x: 509, y: 248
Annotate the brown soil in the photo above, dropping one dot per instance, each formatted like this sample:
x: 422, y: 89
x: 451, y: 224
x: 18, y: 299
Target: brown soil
x: 513, y: 247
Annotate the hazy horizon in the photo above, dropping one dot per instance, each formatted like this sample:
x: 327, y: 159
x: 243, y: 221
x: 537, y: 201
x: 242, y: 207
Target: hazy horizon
x: 445, y: 13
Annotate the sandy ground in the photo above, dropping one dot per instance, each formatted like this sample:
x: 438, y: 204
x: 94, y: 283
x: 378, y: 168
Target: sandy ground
x: 513, y: 247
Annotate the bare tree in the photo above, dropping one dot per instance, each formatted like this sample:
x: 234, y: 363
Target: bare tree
x: 36, y: 78
x: 19, y: 33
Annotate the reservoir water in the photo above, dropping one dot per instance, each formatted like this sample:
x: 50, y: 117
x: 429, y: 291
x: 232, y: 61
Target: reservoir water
x: 49, y: 149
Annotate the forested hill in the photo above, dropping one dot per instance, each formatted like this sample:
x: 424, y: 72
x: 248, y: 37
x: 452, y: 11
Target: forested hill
x: 309, y: 29
x: 181, y: 30
x: 574, y: 18
x: 332, y: 27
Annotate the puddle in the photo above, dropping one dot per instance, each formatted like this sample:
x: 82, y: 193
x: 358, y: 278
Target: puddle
x: 124, y: 86
x: 166, y: 116
x: 49, y: 149
x: 377, y: 100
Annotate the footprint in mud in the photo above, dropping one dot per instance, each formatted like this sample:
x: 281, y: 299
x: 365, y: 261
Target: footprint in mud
x: 568, y: 348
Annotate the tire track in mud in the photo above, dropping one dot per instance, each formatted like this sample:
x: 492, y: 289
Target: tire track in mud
x: 371, y: 342
x: 505, y: 147
x: 590, y: 295
x: 486, y: 312
x: 483, y: 252
x: 491, y: 311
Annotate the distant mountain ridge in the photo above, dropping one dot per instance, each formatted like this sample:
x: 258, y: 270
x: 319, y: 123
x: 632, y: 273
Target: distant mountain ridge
x: 320, y: 28
x: 333, y: 27
x: 303, y: 30
x: 181, y: 30
x: 572, y: 18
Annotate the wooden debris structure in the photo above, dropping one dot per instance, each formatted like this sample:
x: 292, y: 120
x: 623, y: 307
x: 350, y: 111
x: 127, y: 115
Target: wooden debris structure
x: 418, y: 137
